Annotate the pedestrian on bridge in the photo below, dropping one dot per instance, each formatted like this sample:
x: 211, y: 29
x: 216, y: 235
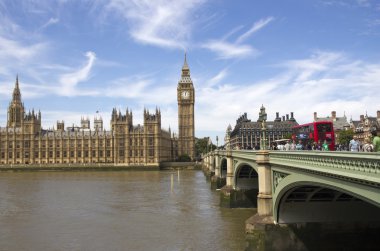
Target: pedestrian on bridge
x: 299, y: 146
x: 287, y: 146
x: 325, y: 146
x: 368, y: 147
x: 354, y: 145
x: 293, y: 146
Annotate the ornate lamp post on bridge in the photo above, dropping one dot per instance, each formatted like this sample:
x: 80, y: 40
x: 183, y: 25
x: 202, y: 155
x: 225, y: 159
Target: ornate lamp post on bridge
x: 263, y: 118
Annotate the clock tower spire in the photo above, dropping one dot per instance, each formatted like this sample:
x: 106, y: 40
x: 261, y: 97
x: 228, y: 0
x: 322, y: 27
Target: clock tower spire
x: 186, y: 100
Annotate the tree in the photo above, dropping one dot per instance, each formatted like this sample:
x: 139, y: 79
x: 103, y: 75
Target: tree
x: 184, y: 158
x: 345, y: 136
x: 202, y: 146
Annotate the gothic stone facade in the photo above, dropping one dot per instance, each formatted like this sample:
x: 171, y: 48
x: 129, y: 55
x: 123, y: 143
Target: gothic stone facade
x: 247, y: 134
x: 24, y: 141
x: 363, y: 127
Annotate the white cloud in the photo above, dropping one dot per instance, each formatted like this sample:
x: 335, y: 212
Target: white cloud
x: 50, y: 22
x: 160, y: 23
x: 14, y: 50
x: 255, y: 27
x: 69, y: 81
x: 217, y: 78
x: 226, y: 50
x: 317, y: 63
x: 128, y: 88
x: 364, y: 3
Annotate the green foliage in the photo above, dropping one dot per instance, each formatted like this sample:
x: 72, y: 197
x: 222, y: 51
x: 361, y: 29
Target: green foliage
x: 202, y: 146
x: 345, y: 136
x: 184, y: 158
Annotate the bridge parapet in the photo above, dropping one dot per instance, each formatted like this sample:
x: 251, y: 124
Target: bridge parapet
x: 357, y: 167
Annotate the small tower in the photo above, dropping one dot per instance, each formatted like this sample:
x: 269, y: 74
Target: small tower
x: 60, y: 126
x: 85, y: 123
x: 98, y: 123
x: 16, y: 108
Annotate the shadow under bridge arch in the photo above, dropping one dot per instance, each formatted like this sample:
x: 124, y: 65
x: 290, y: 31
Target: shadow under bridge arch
x: 317, y: 202
x: 223, y: 168
x: 247, y: 182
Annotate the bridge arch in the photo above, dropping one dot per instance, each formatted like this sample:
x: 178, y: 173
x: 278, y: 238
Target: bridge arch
x: 223, y: 168
x: 246, y: 177
x: 213, y: 163
x: 300, y: 198
x: 246, y: 184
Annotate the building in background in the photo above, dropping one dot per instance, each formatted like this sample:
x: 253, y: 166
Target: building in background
x: 362, y: 128
x: 246, y: 133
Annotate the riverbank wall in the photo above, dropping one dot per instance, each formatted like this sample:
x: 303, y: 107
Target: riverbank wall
x: 76, y: 167
x: 100, y: 167
x: 180, y: 165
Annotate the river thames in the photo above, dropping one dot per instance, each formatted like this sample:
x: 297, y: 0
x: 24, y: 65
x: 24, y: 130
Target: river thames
x: 132, y: 210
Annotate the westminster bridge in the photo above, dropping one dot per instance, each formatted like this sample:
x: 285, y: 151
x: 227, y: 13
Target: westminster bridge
x: 299, y: 186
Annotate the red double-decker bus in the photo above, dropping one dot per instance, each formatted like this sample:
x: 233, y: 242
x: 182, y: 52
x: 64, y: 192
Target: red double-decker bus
x: 315, y: 132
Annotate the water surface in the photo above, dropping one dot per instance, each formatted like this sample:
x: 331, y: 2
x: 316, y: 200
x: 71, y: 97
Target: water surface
x: 144, y: 210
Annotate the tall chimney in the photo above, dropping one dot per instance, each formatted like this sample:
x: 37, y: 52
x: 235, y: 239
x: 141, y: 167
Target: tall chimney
x: 277, y: 114
x: 287, y: 116
x: 378, y: 114
x: 283, y: 118
x: 291, y: 115
x: 315, y: 116
x: 361, y: 118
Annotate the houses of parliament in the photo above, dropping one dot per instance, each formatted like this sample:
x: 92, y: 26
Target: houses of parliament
x: 23, y: 141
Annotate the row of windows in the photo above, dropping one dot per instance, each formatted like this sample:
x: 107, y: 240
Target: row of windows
x: 57, y: 144
x: 65, y: 154
x: 136, y: 153
x: 136, y: 141
x: 27, y: 143
x: 80, y: 154
x: 258, y: 133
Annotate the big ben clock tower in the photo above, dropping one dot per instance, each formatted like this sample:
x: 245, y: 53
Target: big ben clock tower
x: 186, y: 98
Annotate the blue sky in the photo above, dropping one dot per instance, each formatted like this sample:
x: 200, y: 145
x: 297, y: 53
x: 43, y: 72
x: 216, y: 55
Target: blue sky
x: 74, y: 58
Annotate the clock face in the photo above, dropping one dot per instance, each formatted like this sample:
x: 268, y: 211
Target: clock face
x: 185, y: 94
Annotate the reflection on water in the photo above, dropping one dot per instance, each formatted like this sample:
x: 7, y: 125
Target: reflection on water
x: 116, y: 211
x: 315, y: 236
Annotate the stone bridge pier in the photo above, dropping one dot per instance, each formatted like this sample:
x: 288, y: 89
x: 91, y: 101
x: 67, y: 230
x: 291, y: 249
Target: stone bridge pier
x: 242, y: 183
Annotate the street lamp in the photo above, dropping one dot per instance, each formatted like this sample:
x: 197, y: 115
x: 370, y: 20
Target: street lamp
x: 263, y: 118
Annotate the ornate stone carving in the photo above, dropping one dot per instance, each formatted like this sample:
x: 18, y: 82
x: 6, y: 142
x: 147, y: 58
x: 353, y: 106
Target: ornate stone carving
x: 235, y: 163
x: 277, y: 178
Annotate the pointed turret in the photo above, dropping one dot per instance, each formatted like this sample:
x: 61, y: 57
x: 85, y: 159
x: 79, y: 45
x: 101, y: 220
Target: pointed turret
x: 16, y: 108
x: 16, y: 92
x: 185, y: 75
x: 185, y: 68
